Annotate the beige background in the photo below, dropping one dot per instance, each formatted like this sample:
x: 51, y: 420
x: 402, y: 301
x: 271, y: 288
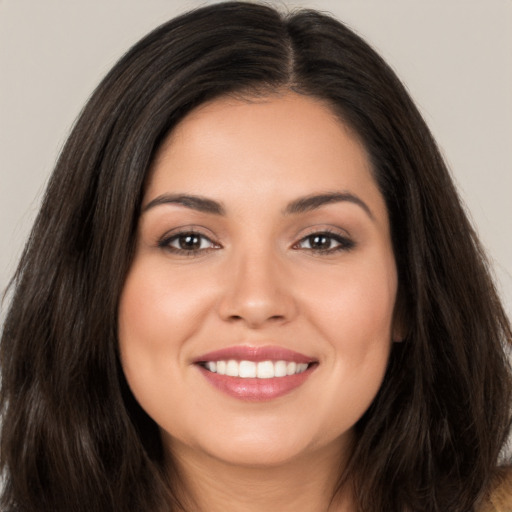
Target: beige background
x: 455, y: 57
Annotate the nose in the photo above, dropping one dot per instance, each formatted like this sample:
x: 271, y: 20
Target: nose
x: 257, y: 292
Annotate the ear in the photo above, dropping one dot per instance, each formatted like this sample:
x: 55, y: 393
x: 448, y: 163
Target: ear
x: 400, y: 327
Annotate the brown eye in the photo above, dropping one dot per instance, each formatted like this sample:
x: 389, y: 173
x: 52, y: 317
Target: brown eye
x: 188, y: 242
x: 319, y: 242
x: 325, y: 243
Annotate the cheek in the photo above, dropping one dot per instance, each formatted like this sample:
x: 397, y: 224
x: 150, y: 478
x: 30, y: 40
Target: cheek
x: 354, y: 306
x: 156, y: 315
x: 355, y: 316
x: 158, y: 310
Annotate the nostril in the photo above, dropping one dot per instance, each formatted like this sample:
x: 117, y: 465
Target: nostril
x: 256, y: 310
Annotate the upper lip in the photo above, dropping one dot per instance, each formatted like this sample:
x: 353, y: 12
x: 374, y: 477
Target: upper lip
x: 255, y: 354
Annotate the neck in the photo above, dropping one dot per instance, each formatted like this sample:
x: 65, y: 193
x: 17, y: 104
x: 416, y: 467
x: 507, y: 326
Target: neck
x: 307, y: 483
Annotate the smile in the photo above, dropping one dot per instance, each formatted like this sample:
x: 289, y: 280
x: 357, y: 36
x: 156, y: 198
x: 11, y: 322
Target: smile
x: 251, y: 369
x: 256, y: 373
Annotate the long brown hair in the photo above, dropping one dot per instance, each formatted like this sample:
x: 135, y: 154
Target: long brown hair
x: 73, y: 438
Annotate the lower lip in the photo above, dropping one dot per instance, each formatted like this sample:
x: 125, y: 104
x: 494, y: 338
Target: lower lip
x: 256, y: 390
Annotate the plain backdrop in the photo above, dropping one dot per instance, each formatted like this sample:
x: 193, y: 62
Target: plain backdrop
x: 455, y: 57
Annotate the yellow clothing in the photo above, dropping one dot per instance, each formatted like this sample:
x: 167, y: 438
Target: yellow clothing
x: 500, y: 499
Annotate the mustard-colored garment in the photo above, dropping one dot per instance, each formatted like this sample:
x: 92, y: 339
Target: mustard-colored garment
x: 500, y: 498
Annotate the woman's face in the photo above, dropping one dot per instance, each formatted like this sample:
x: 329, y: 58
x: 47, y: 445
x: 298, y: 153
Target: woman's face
x: 256, y: 320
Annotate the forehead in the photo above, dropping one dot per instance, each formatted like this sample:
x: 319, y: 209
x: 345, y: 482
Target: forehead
x: 286, y: 144
x: 301, y: 116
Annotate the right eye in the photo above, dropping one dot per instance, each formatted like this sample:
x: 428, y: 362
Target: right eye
x: 187, y: 242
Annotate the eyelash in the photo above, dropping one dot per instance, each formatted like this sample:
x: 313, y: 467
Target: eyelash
x: 344, y: 243
x: 165, y: 243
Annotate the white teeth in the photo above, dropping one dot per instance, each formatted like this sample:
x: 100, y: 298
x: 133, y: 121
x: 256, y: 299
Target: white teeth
x: 232, y: 369
x: 250, y: 369
x: 290, y: 368
x: 280, y: 369
x: 265, y: 370
x: 301, y: 367
x: 247, y: 369
x: 221, y: 367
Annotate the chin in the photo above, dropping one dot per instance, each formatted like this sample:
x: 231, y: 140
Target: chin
x: 265, y: 447
x: 257, y: 456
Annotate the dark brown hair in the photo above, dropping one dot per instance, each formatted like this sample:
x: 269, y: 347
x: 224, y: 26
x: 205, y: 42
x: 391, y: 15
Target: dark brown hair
x: 74, y: 439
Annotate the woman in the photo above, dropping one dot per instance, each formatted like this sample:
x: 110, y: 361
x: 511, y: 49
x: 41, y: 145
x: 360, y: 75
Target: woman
x: 252, y: 286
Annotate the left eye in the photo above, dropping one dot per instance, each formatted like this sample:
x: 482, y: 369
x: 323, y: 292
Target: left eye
x: 188, y: 242
x: 324, y: 242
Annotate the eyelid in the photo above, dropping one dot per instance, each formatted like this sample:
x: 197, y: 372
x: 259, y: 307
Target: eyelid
x: 165, y: 240
x: 343, y: 239
x: 324, y: 228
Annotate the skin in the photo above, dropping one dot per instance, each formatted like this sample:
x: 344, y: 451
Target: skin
x: 256, y: 280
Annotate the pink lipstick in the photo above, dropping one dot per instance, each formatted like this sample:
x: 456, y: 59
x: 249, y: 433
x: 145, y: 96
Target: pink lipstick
x: 256, y: 373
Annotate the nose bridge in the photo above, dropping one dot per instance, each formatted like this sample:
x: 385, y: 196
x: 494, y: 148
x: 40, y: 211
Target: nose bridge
x: 256, y: 288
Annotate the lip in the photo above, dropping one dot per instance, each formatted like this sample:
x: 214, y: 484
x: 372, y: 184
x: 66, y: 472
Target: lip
x: 255, y: 354
x: 254, y: 389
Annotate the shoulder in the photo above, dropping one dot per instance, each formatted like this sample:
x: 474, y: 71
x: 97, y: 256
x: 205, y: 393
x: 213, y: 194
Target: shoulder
x: 499, y: 498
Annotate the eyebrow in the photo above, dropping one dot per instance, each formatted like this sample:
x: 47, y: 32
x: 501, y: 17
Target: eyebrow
x: 199, y: 203
x: 314, y: 201
x: 298, y: 206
